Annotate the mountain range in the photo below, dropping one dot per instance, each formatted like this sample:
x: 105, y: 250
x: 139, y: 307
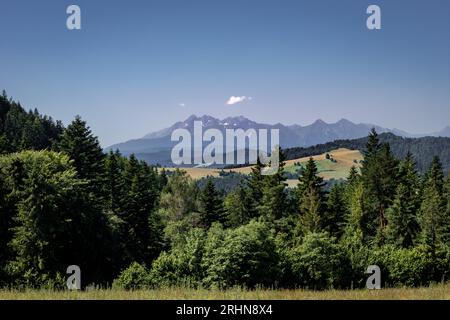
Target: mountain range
x: 155, y: 147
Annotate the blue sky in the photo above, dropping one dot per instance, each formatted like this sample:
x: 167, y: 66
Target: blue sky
x: 140, y: 65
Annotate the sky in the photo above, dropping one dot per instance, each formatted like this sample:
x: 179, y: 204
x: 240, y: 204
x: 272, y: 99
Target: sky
x: 137, y: 66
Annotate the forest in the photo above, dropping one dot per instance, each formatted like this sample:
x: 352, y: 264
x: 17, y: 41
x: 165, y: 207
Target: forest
x: 131, y: 225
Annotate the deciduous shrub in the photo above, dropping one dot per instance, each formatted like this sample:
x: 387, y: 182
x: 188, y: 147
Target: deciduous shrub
x: 319, y: 263
x: 245, y: 256
x: 134, y: 277
x: 182, y: 264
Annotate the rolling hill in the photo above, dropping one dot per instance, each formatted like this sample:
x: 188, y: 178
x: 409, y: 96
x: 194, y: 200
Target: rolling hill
x: 343, y: 160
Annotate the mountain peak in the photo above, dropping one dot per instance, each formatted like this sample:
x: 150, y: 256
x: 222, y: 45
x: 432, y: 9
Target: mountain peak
x: 192, y: 117
x: 344, y: 121
x: 319, y: 122
x: 290, y: 136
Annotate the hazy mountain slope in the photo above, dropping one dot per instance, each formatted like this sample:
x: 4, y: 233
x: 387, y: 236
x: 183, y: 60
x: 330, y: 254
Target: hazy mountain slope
x: 290, y: 136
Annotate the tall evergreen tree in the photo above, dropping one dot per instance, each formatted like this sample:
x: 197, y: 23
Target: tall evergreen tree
x: 141, y: 234
x: 255, y: 184
x: 310, y: 178
x: 211, y: 207
x: 237, y: 205
x: 433, y: 218
x: 353, y: 175
x: 379, y: 174
x: 372, y: 146
x: 356, y: 209
x: 83, y: 148
x: 402, y: 228
x: 310, y: 208
x: 114, y: 181
x: 336, y: 211
x: 273, y: 201
x: 311, y: 198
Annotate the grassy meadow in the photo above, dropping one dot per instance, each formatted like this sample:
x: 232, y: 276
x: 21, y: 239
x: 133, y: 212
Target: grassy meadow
x: 327, y: 169
x: 435, y: 292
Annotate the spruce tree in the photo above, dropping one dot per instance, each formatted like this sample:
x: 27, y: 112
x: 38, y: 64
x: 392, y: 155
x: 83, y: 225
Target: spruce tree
x: 372, y: 146
x: 379, y: 174
x: 310, y: 178
x: 114, y: 181
x: 311, y: 198
x: 237, y: 206
x: 83, y: 148
x: 211, y: 208
x: 353, y: 175
x: 255, y: 184
x: 140, y: 227
x: 433, y: 218
x: 310, y: 208
x: 273, y: 202
x: 356, y: 210
x: 402, y: 228
x: 336, y: 211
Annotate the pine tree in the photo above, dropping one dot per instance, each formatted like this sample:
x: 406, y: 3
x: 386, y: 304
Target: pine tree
x: 255, y: 184
x: 140, y: 228
x: 433, y: 218
x: 356, y: 209
x: 237, y: 206
x: 211, y: 208
x: 114, y: 181
x: 310, y: 178
x: 379, y: 174
x: 402, y: 228
x: 447, y: 212
x: 372, y: 146
x: 310, y: 208
x: 311, y: 198
x: 435, y: 174
x: 273, y: 201
x: 78, y: 142
x: 336, y: 211
x: 353, y: 175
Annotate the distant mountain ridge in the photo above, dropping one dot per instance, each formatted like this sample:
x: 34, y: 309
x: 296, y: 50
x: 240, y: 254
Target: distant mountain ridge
x: 155, y: 147
x: 290, y: 136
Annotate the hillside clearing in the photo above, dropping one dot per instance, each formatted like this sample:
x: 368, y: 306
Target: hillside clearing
x: 338, y: 169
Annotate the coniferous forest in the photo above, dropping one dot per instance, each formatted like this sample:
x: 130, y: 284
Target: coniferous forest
x: 128, y: 224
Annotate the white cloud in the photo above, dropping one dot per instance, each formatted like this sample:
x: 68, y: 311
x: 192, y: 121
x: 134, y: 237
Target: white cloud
x: 233, y: 100
x: 182, y: 104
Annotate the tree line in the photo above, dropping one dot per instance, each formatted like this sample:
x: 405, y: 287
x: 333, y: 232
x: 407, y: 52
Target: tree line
x: 127, y: 224
x: 423, y: 149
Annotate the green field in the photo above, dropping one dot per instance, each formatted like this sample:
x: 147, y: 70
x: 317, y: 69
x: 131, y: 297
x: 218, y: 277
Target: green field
x: 344, y: 159
x: 436, y: 292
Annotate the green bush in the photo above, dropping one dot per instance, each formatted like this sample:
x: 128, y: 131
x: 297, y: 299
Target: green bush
x: 182, y: 265
x: 245, y: 256
x: 319, y: 263
x: 358, y: 256
x: 411, y: 267
x: 133, y: 278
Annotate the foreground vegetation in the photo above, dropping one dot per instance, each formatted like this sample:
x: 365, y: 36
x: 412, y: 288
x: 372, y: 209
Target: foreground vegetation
x: 436, y: 292
x: 128, y: 225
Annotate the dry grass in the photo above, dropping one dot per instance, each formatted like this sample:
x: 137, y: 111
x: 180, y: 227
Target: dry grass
x: 327, y: 169
x: 436, y: 292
